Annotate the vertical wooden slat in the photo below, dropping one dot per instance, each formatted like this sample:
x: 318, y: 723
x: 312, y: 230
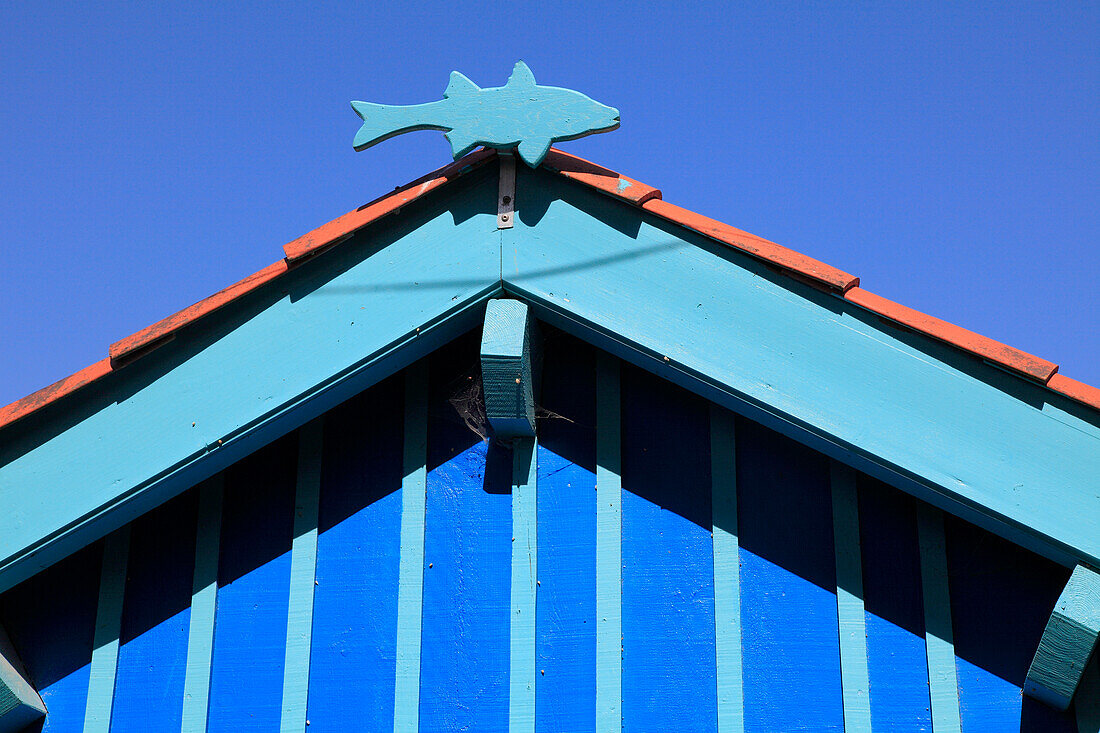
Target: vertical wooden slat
x: 108, y: 624
x: 522, y: 680
x: 200, y: 642
x: 609, y: 566
x: 855, y: 681
x: 727, y: 572
x: 943, y: 685
x: 410, y: 589
x: 303, y: 565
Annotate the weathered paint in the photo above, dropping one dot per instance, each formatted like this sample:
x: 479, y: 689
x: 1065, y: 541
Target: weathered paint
x: 943, y: 689
x: 352, y: 671
x: 1086, y: 394
x: 667, y: 553
x: 609, y: 533
x: 303, y: 573
x: 600, y: 178
x: 521, y: 667
x: 108, y: 622
x: 1067, y: 642
x: 508, y: 348
x: 727, y: 572
x: 204, y: 593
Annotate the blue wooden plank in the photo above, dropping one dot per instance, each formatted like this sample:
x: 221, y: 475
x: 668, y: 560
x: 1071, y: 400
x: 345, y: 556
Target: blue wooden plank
x: 854, y: 678
x: 204, y: 591
x: 668, y: 677
x: 152, y: 654
x: 789, y: 619
x: 410, y: 592
x: 467, y: 552
x: 727, y: 572
x: 104, y: 665
x: 303, y: 573
x: 521, y: 669
x: 609, y: 529
x: 808, y: 364
x: 938, y: 633
x: 334, y: 326
x: 253, y: 591
x: 896, y: 661
x: 565, y: 693
x: 352, y: 669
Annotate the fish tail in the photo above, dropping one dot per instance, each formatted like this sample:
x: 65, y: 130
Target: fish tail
x: 382, y: 121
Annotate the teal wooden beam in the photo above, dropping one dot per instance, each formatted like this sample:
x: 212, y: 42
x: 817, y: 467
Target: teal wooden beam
x: 521, y: 675
x: 855, y: 681
x: 204, y: 602
x: 507, y: 368
x: 939, y: 639
x: 410, y: 584
x: 303, y: 571
x: 609, y: 555
x: 1067, y: 642
x: 1087, y: 703
x: 727, y: 572
x: 108, y: 625
x: 20, y: 704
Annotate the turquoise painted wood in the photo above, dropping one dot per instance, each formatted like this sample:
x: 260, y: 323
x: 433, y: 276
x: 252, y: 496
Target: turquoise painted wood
x: 177, y: 416
x: 303, y: 567
x: 902, y: 408
x: 507, y: 375
x: 20, y: 704
x: 855, y: 680
x: 1067, y: 642
x: 943, y: 687
x: 609, y: 533
x: 727, y: 572
x: 519, y: 114
x: 108, y: 624
x: 524, y: 586
x: 204, y: 595
x: 410, y: 588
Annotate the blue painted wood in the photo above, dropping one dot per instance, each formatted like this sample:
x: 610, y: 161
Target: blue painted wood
x: 668, y: 678
x: 152, y: 653
x: 727, y: 572
x: 352, y: 666
x: 565, y: 629
x: 890, y: 403
x: 467, y: 551
x: 789, y: 622
x: 854, y: 676
x: 520, y: 112
x: 609, y: 529
x: 204, y: 591
x: 104, y: 664
x: 410, y: 594
x: 20, y: 703
x: 938, y: 633
x: 521, y: 667
x: 253, y: 590
x: 51, y: 620
x: 178, y: 415
x: 507, y: 376
x: 303, y: 568
x: 896, y: 661
x: 1067, y: 642
x: 1001, y: 598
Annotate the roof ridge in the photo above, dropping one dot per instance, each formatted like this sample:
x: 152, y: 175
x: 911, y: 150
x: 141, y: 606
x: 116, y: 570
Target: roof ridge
x: 626, y: 189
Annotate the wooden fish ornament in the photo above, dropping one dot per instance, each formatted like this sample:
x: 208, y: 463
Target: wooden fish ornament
x: 521, y: 114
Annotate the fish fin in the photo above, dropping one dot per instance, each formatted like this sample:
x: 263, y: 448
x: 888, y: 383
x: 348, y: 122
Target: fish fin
x: 460, y: 86
x: 533, y: 150
x: 521, y: 76
x: 462, y: 142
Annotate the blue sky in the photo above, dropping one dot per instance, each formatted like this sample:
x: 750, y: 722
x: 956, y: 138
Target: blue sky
x: 946, y: 153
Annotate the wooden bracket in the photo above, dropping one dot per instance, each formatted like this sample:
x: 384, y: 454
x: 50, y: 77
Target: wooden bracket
x: 1067, y: 641
x: 20, y: 704
x: 506, y: 192
x: 508, y: 369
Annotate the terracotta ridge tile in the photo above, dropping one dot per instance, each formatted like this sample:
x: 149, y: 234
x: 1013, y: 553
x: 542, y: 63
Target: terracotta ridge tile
x: 598, y: 177
x: 1086, y: 394
x: 47, y: 395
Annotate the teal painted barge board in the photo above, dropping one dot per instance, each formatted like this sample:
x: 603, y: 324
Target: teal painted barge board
x: 166, y: 422
x: 108, y: 624
x: 1067, y: 642
x: 609, y: 564
x: 1087, y: 704
x: 303, y: 566
x: 204, y: 601
x: 727, y: 571
x: 855, y: 681
x: 943, y: 688
x: 524, y: 589
x: 410, y: 588
x: 821, y: 369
